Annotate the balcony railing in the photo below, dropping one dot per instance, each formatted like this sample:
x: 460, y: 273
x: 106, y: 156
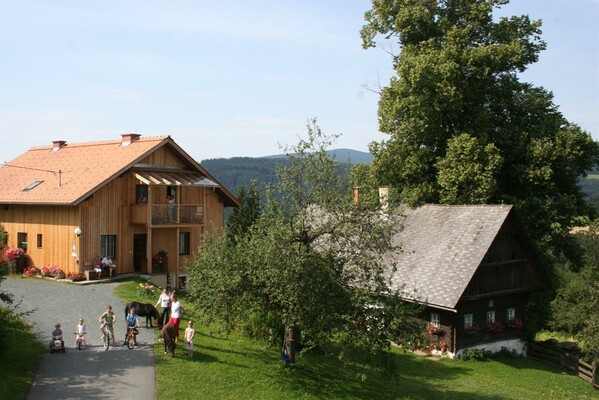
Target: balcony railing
x: 167, y: 214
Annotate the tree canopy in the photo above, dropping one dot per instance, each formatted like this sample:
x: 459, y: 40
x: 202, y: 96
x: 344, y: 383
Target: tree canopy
x: 463, y: 128
x: 311, y: 262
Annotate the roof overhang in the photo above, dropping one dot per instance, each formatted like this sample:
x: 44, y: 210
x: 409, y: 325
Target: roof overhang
x: 171, y: 178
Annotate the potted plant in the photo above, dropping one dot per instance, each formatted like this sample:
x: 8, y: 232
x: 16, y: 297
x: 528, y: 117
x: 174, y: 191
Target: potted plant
x: 159, y: 260
x: 12, y: 256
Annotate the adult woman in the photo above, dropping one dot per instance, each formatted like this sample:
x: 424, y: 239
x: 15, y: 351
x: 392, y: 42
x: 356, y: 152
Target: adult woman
x: 165, y: 302
x: 176, y: 314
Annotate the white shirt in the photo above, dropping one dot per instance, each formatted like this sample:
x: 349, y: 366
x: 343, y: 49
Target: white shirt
x: 176, y: 309
x: 165, y: 300
x: 106, y: 261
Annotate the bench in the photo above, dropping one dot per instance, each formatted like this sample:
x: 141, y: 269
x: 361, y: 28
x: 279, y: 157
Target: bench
x: 92, y: 274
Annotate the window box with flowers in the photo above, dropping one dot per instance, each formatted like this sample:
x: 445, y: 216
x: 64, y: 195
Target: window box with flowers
x: 159, y: 260
x: 472, y: 330
x: 494, y: 327
x: 515, y: 323
x: 13, y: 256
x: 434, y: 329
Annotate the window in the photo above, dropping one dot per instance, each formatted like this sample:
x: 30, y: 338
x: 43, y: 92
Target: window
x: 435, y: 319
x: 22, y: 241
x: 39, y: 241
x: 141, y: 194
x: 511, y: 313
x: 182, y: 281
x: 184, y: 242
x: 490, y: 316
x: 490, y: 303
x: 108, y: 245
x: 32, y: 186
x: 468, y: 320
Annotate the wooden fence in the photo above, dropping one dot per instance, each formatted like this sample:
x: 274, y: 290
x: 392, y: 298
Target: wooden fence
x: 566, y: 356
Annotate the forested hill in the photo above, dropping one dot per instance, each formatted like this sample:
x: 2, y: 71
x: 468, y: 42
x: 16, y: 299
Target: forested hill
x: 235, y: 172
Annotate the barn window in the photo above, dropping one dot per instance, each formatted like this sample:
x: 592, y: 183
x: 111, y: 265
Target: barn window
x: 511, y: 313
x: 435, y: 319
x: 490, y: 316
x: 22, y: 240
x: 108, y: 245
x: 39, y: 241
x: 184, y: 242
x: 468, y: 320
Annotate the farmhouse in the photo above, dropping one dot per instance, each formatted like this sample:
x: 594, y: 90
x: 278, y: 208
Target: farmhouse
x: 141, y: 200
x: 474, y: 268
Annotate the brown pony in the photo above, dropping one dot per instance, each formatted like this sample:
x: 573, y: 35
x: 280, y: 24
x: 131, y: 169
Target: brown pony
x: 168, y: 336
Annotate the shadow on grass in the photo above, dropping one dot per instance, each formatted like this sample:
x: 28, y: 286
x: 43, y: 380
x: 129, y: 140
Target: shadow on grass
x: 326, y: 377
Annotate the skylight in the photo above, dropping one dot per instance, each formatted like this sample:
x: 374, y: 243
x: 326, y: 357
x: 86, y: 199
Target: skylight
x: 32, y: 186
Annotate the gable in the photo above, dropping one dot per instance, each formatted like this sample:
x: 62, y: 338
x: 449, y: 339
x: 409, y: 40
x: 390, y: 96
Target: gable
x: 441, y: 249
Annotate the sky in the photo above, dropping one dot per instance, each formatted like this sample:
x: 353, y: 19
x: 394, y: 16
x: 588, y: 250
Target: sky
x: 233, y: 78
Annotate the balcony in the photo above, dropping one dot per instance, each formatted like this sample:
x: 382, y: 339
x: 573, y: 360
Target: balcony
x: 167, y: 214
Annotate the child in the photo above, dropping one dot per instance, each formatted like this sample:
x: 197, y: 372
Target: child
x: 80, y: 331
x: 189, y: 334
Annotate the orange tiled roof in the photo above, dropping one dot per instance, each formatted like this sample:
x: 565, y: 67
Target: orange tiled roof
x: 84, y: 168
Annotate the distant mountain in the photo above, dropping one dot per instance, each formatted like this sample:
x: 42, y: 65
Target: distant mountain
x: 235, y: 172
x: 342, y: 155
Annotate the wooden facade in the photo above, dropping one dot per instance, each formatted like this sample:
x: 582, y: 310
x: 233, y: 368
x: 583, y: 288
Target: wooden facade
x: 113, y: 214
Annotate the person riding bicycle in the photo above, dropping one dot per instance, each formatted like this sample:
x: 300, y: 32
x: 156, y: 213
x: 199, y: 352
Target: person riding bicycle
x: 80, y: 330
x: 132, y: 323
x: 108, y: 319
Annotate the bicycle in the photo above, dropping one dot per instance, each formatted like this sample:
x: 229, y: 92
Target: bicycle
x: 106, y: 337
x: 79, y: 342
x: 130, y: 340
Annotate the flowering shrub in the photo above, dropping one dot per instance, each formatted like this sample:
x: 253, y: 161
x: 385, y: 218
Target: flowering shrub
x: 147, y: 289
x: 31, y: 271
x: 76, y: 276
x: 515, y: 323
x: 495, y: 327
x: 52, y: 272
x: 14, y: 253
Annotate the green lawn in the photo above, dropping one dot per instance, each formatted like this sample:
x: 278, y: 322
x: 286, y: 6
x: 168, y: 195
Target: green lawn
x: 235, y: 367
x: 19, y: 354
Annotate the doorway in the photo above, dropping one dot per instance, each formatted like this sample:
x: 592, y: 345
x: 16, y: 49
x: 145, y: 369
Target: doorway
x: 140, y: 262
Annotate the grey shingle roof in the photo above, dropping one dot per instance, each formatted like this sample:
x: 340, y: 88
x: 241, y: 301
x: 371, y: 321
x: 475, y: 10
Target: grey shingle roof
x: 441, y: 248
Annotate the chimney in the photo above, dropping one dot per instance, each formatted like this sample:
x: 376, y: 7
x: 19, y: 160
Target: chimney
x: 384, y: 197
x: 356, y: 195
x: 57, y: 144
x: 129, y: 138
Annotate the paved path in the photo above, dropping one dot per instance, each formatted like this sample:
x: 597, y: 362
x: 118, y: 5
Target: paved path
x: 92, y: 373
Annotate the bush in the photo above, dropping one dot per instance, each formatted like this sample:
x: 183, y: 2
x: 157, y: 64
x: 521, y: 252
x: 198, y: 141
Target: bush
x: 52, y: 272
x: 475, y: 355
x: 76, y: 276
x: 147, y: 289
x: 31, y: 271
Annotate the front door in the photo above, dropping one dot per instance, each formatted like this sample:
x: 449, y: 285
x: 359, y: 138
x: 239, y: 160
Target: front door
x: 140, y: 261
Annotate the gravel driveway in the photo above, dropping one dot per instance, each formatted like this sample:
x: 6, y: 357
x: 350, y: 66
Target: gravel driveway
x: 91, y: 373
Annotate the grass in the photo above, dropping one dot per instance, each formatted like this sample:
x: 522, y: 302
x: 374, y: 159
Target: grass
x: 235, y: 367
x: 19, y: 354
x: 559, y: 336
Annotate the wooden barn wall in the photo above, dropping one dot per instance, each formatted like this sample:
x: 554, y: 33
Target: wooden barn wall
x: 164, y: 156
x: 56, y: 224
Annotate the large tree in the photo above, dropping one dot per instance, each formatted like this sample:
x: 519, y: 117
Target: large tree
x: 462, y: 127
x: 312, y: 263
